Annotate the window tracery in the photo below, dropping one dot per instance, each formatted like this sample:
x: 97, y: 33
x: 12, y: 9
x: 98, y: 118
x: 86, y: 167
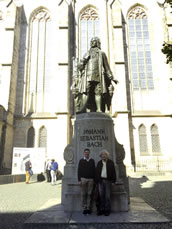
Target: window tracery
x: 89, y: 14
x: 137, y: 13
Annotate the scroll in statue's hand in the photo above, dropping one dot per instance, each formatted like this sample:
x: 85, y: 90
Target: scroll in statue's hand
x: 115, y: 81
x: 86, y: 59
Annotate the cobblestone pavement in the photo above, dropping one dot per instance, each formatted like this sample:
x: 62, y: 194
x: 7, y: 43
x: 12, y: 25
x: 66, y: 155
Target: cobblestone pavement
x: 18, y: 201
x: 155, y: 190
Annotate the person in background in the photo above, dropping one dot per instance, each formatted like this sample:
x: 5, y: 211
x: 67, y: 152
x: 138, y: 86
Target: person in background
x: 48, y: 170
x: 105, y: 177
x: 86, y: 176
x: 28, y: 167
x: 54, y: 168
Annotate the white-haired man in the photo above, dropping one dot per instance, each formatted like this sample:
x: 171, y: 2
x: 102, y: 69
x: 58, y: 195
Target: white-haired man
x: 105, y: 177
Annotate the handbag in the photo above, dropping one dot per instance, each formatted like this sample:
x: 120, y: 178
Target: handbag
x: 30, y: 172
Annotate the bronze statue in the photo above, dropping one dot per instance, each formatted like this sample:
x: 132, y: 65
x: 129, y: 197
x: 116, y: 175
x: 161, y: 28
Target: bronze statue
x: 92, y: 80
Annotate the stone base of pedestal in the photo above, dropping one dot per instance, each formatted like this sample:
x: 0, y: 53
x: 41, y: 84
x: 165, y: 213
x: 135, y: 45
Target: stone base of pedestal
x: 72, y: 197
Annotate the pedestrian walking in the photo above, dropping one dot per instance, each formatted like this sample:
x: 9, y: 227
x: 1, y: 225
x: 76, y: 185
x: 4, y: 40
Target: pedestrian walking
x: 86, y: 176
x: 54, y: 168
x: 28, y: 169
x: 105, y: 177
x: 48, y: 170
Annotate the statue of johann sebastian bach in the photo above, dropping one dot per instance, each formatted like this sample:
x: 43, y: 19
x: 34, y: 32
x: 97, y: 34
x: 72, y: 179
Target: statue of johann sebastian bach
x: 92, y: 80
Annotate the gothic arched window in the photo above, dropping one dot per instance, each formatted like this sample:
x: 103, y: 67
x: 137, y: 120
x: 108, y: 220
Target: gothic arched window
x: 143, y: 140
x: 39, y: 61
x: 43, y: 137
x: 89, y: 27
x: 155, y: 140
x: 30, y: 137
x: 139, y: 50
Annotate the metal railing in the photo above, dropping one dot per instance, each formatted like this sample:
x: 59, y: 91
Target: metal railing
x: 156, y: 164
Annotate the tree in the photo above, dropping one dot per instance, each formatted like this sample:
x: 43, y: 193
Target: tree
x: 167, y: 46
x: 169, y: 2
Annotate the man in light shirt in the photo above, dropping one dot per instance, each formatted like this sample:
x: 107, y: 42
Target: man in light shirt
x: 105, y: 177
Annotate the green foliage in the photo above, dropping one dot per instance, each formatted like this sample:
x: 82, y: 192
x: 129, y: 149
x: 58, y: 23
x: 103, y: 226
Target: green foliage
x: 167, y: 47
x: 167, y: 50
x: 169, y: 2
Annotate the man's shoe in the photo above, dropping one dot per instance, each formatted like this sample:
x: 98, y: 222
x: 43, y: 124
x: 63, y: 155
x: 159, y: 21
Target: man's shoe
x: 89, y: 212
x: 84, y: 212
x: 107, y: 213
x: 100, y: 213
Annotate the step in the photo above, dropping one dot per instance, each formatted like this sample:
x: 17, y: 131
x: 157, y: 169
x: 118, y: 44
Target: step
x: 139, y: 216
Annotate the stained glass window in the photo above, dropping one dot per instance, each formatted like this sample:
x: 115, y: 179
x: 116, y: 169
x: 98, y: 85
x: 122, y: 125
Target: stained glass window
x: 43, y: 137
x: 89, y: 27
x: 143, y: 140
x: 139, y: 50
x: 39, y: 60
x: 155, y: 139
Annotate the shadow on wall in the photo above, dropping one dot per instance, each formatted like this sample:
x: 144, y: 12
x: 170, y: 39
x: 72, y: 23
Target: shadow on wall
x: 128, y: 91
x: 21, y: 64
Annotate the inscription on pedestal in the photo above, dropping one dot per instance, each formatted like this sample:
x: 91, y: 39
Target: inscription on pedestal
x: 94, y: 137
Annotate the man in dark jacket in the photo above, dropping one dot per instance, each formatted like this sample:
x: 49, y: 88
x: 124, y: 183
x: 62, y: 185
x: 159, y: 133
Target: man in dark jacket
x: 86, y: 176
x: 105, y: 177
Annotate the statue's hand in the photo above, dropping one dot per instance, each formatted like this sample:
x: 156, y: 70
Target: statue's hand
x: 86, y: 59
x: 109, y: 76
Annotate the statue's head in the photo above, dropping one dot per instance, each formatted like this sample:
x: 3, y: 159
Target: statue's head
x: 95, y: 42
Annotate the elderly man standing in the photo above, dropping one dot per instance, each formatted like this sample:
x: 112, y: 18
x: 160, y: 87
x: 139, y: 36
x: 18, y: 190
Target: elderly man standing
x: 105, y: 177
x: 86, y: 176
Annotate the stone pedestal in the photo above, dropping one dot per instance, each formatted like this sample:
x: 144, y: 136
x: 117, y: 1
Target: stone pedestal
x: 96, y: 132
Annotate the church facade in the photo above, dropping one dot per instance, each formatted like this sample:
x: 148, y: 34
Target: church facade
x: 38, y: 40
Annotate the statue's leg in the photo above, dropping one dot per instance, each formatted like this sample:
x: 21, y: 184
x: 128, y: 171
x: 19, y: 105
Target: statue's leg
x: 78, y: 104
x: 98, y: 102
x: 98, y: 97
x: 85, y: 98
x: 84, y: 102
